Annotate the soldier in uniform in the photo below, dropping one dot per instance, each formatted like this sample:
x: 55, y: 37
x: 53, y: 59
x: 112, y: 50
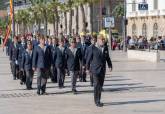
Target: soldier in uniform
x: 96, y: 61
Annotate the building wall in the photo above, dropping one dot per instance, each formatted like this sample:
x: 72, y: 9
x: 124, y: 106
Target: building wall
x: 151, y: 17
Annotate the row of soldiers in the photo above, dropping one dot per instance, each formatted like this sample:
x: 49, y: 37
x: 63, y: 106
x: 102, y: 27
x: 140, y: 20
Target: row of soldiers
x: 54, y: 58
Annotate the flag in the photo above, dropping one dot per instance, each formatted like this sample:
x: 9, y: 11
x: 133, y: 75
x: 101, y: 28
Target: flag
x: 8, y: 30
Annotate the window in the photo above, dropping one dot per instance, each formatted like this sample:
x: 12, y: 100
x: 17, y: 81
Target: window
x: 133, y: 5
x: 155, y: 4
x: 155, y: 30
x: 134, y: 30
x: 144, y: 30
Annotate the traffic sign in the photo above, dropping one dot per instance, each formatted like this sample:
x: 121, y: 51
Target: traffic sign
x: 143, y: 6
x: 109, y: 22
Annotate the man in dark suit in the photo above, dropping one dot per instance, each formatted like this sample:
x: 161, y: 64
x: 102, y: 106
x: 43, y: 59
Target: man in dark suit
x: 26, y: 64
x: 93, y: 43
x: 60, y: 63
x: 96, y: 61
x: 53, y: 68
x: 83, y: 46
x: 73, y: 57
x: 42, y: 59
x: 22, y: 48
x: 13, y: 55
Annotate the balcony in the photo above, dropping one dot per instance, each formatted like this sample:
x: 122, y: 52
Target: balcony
x: 143, y: 13
x: 132, y: 14
x: 154, y: 13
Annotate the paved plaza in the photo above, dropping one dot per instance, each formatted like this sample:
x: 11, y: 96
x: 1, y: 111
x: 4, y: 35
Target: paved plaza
x: 134, y: 87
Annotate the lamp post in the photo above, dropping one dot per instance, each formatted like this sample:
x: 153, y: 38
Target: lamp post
x: 125, y: 27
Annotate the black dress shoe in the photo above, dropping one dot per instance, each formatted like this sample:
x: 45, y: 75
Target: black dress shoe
x: 99, y: 104
x: 38, y: 93
x: 44, y: 93
x: 84, y: 80
x: 74, y: 91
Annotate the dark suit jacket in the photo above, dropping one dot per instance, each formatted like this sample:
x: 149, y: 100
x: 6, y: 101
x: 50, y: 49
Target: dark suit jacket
x: 41, y: 59
x: 59, y: 58
x: 13, y: 52
x: 83, y: 48
x: 73, y: 62
x: 22, y: 48
x: 96, y: 59
x: 26, y: 63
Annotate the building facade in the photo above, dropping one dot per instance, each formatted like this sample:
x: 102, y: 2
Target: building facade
x: 148, y: 23
x: 94, y: 14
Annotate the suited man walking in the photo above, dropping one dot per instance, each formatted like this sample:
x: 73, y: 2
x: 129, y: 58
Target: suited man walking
x: 83, y: 46
x: 54, y: 69
x: 93, y: 43
x: 42, y: 59
x: 73, y: 57
x: 60, y: 63
x: 26, y: 64
x: 13, y: 56
x: 22, y: 48
x: 96, y: 61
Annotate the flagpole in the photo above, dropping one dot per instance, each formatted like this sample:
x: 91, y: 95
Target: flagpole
x: 13, y: 21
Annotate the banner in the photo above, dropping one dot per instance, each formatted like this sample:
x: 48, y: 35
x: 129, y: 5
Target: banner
x: 9, y: 25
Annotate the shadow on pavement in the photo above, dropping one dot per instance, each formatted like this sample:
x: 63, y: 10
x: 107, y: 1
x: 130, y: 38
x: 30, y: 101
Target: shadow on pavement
x: 133, y: 102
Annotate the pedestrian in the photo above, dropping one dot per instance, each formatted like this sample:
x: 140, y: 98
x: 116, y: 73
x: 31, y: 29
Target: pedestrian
x: 22, y: 48
x: 60, y: 63
x: 41, y: 63
x: 54, y: 69
x: 83, y: 46
x: 26, y: 64
x: 73, y: 57
x: 93, y: 43
x: 13, y: 55
x: 96, y: 62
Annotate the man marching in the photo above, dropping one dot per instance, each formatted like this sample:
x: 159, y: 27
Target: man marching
x: 26, y: 64
x: 73, y: 57
x: 42, y: 63
x: 96, y: 61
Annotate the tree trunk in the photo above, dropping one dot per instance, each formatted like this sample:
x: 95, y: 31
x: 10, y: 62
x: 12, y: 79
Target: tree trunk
x: 70, y: 22
x: 17, y: 28
x: 54, y: 25
x: 66, y: 23
x: 46, y: 24
x: 77, y: 20
x: 83, y: 18
x: 57, y: 21
x: 91, y: 17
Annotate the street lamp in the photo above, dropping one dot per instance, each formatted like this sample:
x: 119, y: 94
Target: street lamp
x: 125, y: 27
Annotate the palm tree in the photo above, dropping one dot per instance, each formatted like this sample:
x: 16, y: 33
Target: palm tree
x: 70, y: 4
x: 53, y: 8
x: 81, y: 4
x: 119, y: 10
x: 41, y: 7
x: 64, y: 9
x: 22, y: 18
